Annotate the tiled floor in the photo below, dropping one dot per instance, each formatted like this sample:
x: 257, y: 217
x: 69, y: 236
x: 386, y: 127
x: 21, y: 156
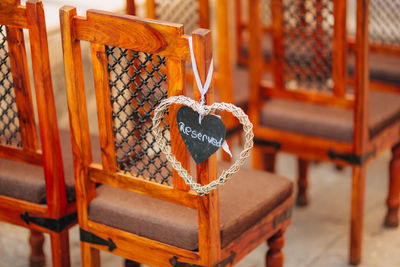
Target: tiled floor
x: 318, y: 235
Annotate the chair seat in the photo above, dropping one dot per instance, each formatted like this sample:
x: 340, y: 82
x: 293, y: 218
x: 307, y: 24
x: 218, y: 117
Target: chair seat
x: 26, y: 182
x: 244, y: 200
x: 329, y: 122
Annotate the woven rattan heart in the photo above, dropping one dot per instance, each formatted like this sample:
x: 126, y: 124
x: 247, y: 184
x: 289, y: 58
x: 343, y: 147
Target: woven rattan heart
x: 166, y: 148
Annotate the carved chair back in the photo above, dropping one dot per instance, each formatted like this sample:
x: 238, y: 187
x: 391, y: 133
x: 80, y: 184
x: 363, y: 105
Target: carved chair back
x: 18, y: 129
x: 133, y: 73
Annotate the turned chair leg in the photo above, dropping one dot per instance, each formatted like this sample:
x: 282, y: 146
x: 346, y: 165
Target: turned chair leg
x: 393, y: 200
x: 357, y: 213
x: 302, y: 182
x: 36, y: 241
x: 60, y: 249
x: 275, y: 257
x: 129, y: 263
x: 269, y: 161
x: 90, y: 256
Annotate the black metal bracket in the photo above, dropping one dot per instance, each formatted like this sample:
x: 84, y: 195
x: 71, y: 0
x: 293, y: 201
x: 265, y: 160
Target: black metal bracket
x: 55, y: 225
x: 263, y: 142
x: 175, y: 263
x: 352, y: 158
x: 95, y: 239
x: 282, y: 217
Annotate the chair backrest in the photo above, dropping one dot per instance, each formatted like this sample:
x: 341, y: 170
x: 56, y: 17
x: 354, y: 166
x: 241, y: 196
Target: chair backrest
x: 136, y: 63
x: 309, y: 60
x: 384, y: 27
x: 18, y: 131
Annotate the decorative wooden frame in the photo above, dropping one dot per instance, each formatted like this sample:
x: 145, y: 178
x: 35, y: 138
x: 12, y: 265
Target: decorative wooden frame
x: 19, y: 212
x: 164, y: 39
x: 356, y: 154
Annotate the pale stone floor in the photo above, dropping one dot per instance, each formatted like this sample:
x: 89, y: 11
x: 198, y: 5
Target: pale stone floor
x: 318, y: 235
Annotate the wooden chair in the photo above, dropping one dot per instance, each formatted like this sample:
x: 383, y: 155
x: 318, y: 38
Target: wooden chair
x: 309, y: 111
x: 33, y: 192
x: 231, y: 83
x: 142, y: 210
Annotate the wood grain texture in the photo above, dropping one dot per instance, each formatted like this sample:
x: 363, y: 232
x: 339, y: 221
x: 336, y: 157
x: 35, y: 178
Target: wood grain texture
x: 79, y: 126
x: 177, y: 86
x: 393, y: 199
x: 128, y: 32
x: 49, y: 135
x: 13, y: 14
x: 104, y: 109
x: 22, y: 88
x: 140, y: 185
x: 209, y: 232
x: 141, y: 249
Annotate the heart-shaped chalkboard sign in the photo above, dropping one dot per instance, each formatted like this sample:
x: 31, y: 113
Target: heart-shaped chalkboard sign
x: 202, y: 140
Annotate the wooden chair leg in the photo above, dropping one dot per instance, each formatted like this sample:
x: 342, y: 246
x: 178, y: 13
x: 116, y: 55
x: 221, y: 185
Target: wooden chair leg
x: 269, y: 160
x: 36, y: 241
x: 90, y: 256
x: 302, y: 182
x: 60, y: 249
x: 393, y: 200
x: 257, y: 158
x: 263, y: 160
x: 129, y: 263
x: 357, y: 213
x: 275, y: 257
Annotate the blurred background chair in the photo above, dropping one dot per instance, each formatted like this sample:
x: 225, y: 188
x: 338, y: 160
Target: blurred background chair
x: 309, y: 109
x: 231, y: 82
x: 142, y: 210
x: 33, y: 192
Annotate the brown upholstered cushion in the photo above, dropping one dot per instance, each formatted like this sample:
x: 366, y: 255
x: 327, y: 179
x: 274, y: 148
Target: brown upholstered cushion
x: 329, y: 122
x: 26, y: 182
x: 244, y: 200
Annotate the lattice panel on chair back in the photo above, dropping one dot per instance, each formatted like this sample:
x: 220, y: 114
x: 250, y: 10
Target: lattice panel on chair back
x: 384, y: 23
x: 308, y: 43
x: 138, y: 83
x: 9, y: 124
x: 185, y: 12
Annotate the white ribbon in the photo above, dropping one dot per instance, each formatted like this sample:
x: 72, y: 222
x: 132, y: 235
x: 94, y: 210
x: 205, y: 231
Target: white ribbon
x: 204, y: 88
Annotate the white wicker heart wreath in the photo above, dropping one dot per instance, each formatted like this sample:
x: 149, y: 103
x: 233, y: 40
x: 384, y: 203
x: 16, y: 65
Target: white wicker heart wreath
x: 162, y: 108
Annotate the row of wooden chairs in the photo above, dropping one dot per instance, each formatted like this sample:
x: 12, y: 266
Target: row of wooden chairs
x: 312, y: 109
x: 317, y: 104
x: 119, y: 186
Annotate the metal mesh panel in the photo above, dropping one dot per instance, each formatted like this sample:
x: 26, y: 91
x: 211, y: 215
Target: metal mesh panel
x: 137, y: 86
x: 9, y: 124
x: 308, y: 41
x: 179, y: 11
x: 384, y: 24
